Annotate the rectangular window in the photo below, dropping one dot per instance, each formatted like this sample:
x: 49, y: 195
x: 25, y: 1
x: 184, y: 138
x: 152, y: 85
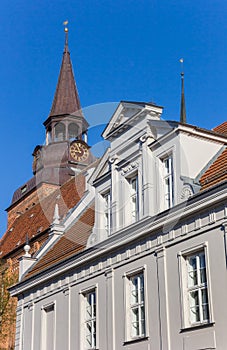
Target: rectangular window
x: 168, y: 182
x: 195, y: 289
x: 137, y: 312
x: 48, y: 327
x: 134, y: 198
x: 90, y: 319
x: 107, y: 212
x: 197, y: 294
x: 134, y: 300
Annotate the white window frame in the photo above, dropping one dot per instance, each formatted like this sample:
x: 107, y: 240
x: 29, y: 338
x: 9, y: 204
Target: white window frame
x: 93, y: 319
x: 129, y: 306
x: 133, y: 197
x: 106, y: 196
x: 168, y: 181
x: 185, y: 289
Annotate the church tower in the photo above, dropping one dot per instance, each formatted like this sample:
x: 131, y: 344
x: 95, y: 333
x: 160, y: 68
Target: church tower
x: 65, y: 152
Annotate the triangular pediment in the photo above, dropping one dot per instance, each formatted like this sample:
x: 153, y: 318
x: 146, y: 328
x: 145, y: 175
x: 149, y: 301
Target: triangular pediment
x: 102, y: 169
x: 126, y: 113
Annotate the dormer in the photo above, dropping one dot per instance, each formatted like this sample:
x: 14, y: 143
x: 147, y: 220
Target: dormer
x: 151, y: 166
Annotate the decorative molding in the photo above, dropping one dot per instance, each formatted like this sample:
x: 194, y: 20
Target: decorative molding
x: 66, y: 292
x: 148, y: 244
x: 130, y: 167
x: 212, y: 217
x: 159, y: 240
x: 184, y: 229
x: 197, y: 225
x: 128, y: 253
x: 171, y: 235
x: 118, y: 257
x: 186, y: 192
x: 225, y: 212
x: 138, y: 249
x: 146, y: 136
x: 113, y: 159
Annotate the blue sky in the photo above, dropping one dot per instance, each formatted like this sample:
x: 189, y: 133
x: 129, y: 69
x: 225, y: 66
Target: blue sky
x: 121, y: 50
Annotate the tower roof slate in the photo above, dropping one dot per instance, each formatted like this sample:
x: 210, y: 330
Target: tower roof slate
x: 66, y: 98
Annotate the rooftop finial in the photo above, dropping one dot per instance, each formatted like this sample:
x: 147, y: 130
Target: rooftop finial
x: 65, y: 24
x: 56, y: 217
x: 27, y: 247
x: 182, y: 107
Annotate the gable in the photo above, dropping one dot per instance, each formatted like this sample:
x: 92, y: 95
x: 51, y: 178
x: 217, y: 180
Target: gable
x: 102, y: 169
x: 126, y: 113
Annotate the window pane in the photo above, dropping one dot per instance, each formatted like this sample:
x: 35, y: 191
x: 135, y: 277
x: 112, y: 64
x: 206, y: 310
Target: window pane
x: 135, y: 322
x: 143, y: 327
x: 88, y: 329
x: 194, y: 299
x: 202, y: 266
x: 194, y: 315
x: 88, y: 312
x: 192, y: 272
x: 194, y: 307
x: 205, y: 312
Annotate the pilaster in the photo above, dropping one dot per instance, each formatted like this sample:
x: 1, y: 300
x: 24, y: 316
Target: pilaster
x: 110, y: 301
x: 163, y: 298
x: 147, y: 176
x: 115, y: 193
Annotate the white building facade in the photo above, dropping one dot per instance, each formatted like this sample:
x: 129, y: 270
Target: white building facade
x: 153, y: 272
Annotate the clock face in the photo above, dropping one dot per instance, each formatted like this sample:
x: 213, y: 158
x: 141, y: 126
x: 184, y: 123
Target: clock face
x: 79, y: 151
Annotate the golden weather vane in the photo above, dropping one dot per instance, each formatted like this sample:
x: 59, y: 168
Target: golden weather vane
x: 182, y: 64
x: 65, y: 23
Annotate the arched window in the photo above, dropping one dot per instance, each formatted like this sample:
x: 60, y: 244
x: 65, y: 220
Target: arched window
x: 73, y: 131
x: 48, y: 136
x: 59, y: 132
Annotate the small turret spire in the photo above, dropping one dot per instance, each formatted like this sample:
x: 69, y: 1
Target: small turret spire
x: 182, y: 107
x: 66, y: 99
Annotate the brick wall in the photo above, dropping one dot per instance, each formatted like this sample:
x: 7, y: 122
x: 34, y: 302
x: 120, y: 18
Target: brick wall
x: 32, y: 199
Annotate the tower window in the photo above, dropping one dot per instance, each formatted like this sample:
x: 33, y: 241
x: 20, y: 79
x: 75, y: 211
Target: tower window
x: 73, y: 131
x: 59, y: 132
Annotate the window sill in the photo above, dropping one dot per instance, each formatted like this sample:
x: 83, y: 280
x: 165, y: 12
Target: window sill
x: 199, y: 326
x: 135, y: 340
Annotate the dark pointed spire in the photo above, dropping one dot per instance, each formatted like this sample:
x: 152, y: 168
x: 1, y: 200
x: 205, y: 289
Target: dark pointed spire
x: 182, y: 107
x: 66, y: 98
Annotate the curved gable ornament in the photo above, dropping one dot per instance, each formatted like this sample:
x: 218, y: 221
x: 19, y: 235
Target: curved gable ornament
x: 186, y: 192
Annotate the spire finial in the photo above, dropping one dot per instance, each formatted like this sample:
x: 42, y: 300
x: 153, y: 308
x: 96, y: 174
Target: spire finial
x: 65, y: 24
x: 182, y: 108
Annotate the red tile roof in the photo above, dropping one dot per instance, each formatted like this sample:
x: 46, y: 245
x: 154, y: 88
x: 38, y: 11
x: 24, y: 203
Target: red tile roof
x: 37, y: 219
x: 221, y: 129
x: 216, y: 173
x: 72, y: 241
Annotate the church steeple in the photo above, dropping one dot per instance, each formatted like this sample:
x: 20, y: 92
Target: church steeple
x: 66, y: 99
x: 66, y: 120
x: 182, y: 107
